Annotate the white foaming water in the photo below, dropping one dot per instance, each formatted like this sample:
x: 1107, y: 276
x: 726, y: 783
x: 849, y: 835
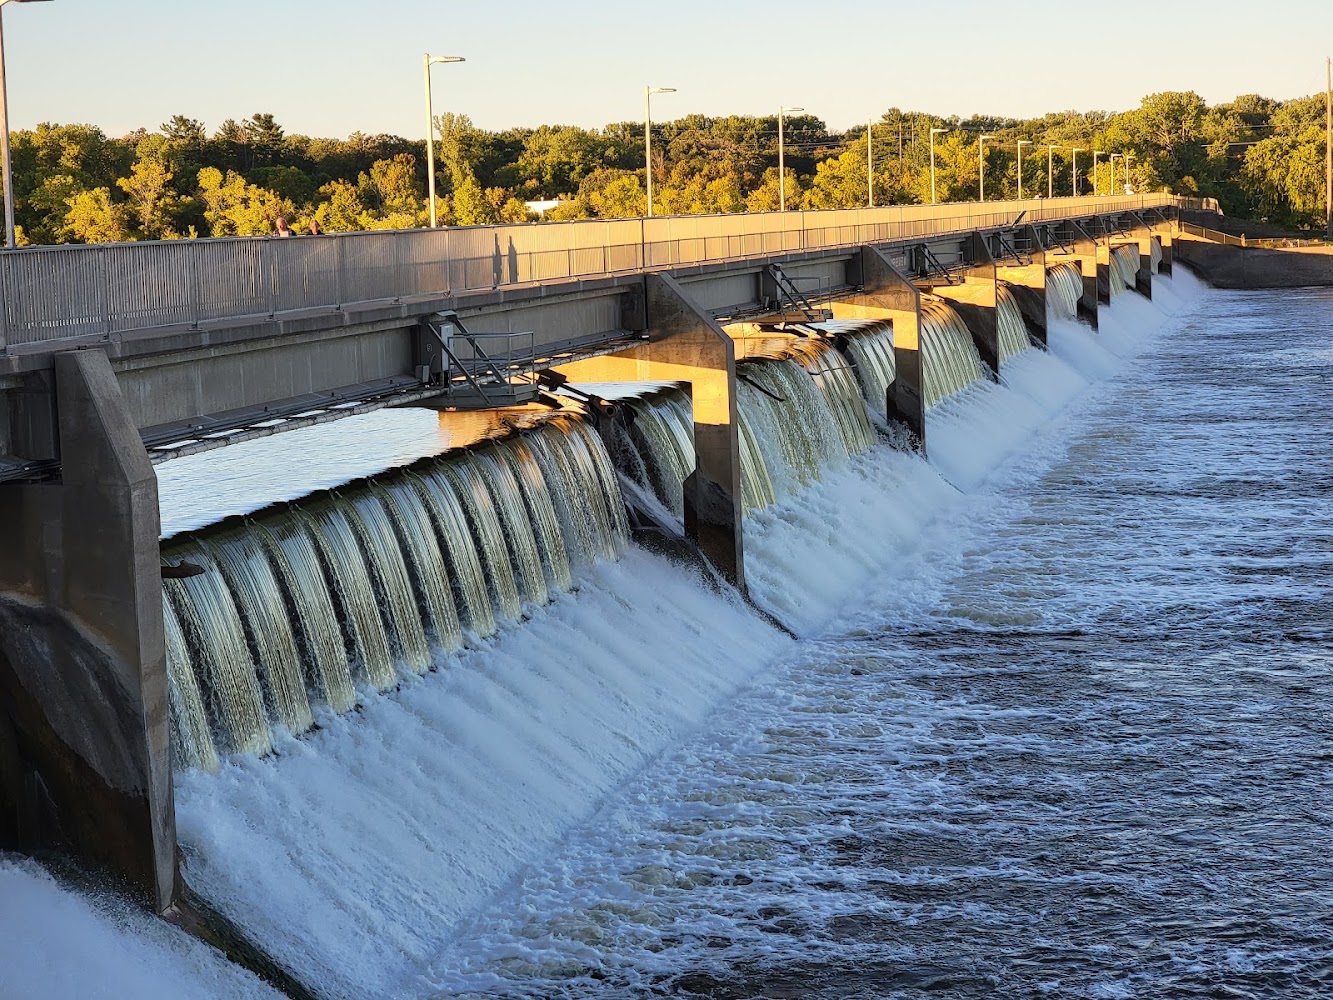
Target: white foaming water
x: 812, y: 551
x: 58, y: 944
x: 354, y: 852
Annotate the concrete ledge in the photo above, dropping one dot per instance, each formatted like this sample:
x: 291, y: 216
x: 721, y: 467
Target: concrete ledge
x: 1256, y: 267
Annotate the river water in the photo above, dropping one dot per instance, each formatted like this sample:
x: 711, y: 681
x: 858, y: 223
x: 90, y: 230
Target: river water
x: 1074, y: 741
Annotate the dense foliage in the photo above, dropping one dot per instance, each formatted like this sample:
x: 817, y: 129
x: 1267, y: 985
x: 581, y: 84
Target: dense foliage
x: 1261, y: 158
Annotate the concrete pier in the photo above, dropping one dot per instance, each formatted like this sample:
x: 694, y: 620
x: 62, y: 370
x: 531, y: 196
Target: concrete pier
x: 974, y: 300
x: 886, y: 294
x: 84, y: 726
x: 686, y: 344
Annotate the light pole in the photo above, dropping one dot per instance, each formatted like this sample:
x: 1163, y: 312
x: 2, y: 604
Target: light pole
x: 4, y: 135
x: 933, y: 132
x: 1095, y: 189
x: 648, y: 93
x: 1021, y: 144
x: 427, y: 61
x: 981, y: 164
x: 782, y: 161
x: 1050, y: 169
x: 1073, y: 159
x: 1128, y: 157
x: 1328, y: 145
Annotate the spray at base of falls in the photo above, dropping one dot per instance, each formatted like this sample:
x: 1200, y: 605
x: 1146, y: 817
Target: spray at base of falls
x: 353, y: 852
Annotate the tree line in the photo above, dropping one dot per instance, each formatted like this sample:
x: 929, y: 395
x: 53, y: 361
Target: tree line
x: 1260, y: 158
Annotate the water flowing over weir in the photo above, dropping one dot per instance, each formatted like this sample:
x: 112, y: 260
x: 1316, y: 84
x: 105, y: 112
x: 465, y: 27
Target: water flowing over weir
x: 1124, y: 268
x: 1064, y: 288
x: 1013, y: 329
x: 949, y: 356
x: 299, y: 607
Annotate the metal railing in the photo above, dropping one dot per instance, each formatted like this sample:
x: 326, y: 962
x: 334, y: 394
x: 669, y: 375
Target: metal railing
x: 100, y: 293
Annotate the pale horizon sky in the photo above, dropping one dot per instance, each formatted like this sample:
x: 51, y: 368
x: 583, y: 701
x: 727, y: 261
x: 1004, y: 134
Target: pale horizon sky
x: 339, y: 66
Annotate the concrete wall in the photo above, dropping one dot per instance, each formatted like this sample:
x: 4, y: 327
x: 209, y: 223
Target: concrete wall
x: 886, y: 294
x: 686, y: 345
x: 84, y: 729
x: 1256, y: 267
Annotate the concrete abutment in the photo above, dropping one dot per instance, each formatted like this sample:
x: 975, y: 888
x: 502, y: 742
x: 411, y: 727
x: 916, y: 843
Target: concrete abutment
x: 82, y: 653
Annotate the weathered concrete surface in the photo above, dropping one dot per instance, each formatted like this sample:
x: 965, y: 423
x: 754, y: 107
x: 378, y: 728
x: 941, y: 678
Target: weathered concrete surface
x: 887, y: 294
x: 1256, y: 267
x: 685, y: 344
x: 82, y: 653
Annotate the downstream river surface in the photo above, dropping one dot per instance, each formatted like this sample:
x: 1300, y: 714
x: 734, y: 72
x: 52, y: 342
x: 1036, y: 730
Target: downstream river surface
x: 1075, y: 742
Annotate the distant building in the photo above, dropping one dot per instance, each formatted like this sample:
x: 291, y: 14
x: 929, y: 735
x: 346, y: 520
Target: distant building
x: 542, y: 207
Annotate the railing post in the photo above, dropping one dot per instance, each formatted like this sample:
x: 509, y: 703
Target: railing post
x: 104, y: 272
x: 196, y: 290
x: 340, y: 279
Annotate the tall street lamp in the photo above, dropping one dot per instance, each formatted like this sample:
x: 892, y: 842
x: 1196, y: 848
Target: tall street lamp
x: 427, y: 61
x: 648, y: 93
x: 1050, y: 169
x: 782, y: 162
x: 1095, y: 189
x: 1073, y: 159
x: 4, y: 135
x: 1128, y: 157
x: 1021, y: 144
x: 981, y: 163
x: 933, y: 132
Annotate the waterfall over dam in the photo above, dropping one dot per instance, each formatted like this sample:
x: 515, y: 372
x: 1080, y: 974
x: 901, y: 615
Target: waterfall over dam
x: 396, y: 690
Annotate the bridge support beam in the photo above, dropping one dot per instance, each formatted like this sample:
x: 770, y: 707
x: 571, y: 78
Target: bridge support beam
x: 1027, y: 283
x: 887, y: 294
x: 975, y: 301
x: 84, y: 728
x: 687, y: 345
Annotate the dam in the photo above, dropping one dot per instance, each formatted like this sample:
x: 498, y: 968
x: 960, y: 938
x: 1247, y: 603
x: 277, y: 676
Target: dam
x: 499, y: 702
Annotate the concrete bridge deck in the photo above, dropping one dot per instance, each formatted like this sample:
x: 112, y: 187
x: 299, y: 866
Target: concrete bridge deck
x: 216, y: 340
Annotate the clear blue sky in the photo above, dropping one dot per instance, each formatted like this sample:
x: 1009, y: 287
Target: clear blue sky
x: 337, y: 66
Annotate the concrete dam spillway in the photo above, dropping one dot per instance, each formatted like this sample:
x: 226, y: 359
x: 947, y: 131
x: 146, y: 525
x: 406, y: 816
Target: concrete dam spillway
x: 428, y: 614
x: 463, y: 710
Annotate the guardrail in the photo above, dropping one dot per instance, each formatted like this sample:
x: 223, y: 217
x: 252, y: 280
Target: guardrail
x: 98, y: 293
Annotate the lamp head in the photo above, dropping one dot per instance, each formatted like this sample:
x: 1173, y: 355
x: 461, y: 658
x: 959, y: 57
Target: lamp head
x: 661, y: 90
x: 938, y: 131
x: 432, y: 60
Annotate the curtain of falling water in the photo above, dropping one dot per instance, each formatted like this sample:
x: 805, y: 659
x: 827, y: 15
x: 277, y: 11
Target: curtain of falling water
x: 1064, y: 288
x: 299, y: 606
x: 1013, y: 328
x: 949, y: 358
